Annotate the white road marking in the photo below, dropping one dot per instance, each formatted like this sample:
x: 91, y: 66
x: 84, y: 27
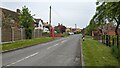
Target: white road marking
x: 63, y: 41
x: 23, y: 59
x: 56, y: 44
x: 49, y: 47
x: 52, y: 46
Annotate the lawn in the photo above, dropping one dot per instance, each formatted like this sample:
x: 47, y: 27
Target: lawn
x: 24, y: 43
x: 97, y: 54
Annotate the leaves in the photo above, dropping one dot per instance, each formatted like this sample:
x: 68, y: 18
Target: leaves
x: 26, y: 21
x: 107, y: 12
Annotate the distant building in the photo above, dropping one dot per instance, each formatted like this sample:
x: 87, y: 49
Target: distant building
x: 60, y: 28
x: 68, y: 30
x: 38, y: 24
x: 75, y: 30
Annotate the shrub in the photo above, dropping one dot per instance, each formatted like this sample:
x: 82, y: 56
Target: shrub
x: 64, y: 35
x: 116, y: 52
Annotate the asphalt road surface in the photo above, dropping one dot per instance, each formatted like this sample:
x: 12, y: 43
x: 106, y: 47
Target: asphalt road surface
x: 60, y: 52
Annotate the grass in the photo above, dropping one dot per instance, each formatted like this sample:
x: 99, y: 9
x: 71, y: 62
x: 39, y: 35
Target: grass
x: 65, y: 35
x: 24, y: 43
x: 97, y: 54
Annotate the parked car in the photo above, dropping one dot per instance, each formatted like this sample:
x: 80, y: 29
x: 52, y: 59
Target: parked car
x: 70, y: 33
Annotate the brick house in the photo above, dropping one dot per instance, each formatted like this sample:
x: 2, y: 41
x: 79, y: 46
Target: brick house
x: 11, y: 29
x: 10, y: 22
x: 107, y: 29
x: 60, y: 28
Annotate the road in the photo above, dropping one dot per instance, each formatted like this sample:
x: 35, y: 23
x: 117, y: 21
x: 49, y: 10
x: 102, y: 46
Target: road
x: 60, y: 52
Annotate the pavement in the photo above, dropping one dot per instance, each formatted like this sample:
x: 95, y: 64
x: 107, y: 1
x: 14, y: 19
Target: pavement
x: 61, y: 52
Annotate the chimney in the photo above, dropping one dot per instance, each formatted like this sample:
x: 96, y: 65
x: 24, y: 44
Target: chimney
x: 18, y: 10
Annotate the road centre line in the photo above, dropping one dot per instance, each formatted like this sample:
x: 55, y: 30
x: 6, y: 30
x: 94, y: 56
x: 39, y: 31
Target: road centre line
x: 52, y: 46
x: 23, y: 59
x: 63, y: 41
x: 56, y: 44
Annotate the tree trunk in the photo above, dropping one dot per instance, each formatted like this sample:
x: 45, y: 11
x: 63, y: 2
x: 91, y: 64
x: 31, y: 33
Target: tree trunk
x: 116, y: 31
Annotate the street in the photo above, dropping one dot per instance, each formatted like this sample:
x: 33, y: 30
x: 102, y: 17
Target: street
x: 61, y: 52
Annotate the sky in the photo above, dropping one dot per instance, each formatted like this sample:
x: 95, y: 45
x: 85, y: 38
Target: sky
x: 66, y: 12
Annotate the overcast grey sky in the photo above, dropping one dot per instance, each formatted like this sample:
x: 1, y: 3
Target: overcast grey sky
x: 67, y: 13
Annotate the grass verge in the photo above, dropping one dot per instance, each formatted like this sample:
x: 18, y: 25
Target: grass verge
x: 65, y: 35
x: 24, y: 43
x: 97, y: 54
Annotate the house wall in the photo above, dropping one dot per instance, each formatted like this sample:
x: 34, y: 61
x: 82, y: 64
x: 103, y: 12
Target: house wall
x: 9, y: 19
x: 6, y: 29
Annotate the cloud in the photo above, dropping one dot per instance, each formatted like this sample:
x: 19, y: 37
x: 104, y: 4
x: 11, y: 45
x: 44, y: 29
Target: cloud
x: 49, y: 1
x: 65, y: 13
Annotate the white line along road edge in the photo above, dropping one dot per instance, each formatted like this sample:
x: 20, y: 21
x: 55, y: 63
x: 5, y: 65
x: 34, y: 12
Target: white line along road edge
x: 23, y: 59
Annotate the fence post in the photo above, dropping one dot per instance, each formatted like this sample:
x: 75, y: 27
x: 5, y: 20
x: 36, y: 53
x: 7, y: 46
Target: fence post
x: 103, y: 39
x: 117, y: 41
x: 12, y: 34
x: 38, y: 33
x: 108, y: 40
x: 0, y: 35
x: 21, y: 33
x: 34, y: 33
x: 113, y: 41
x: 41, y: 33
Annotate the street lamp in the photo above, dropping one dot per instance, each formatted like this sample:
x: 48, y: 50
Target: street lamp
x: 12, y: 27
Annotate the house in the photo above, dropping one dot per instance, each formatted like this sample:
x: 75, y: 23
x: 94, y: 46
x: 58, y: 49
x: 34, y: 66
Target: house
x: 46, y: 27
x: 10, y: 25
x: 11, y: 29
x: 68, y: 30
x: 109, y: 29
x: 75, y: 30
x: 60, y: 28
x: 38, y: 24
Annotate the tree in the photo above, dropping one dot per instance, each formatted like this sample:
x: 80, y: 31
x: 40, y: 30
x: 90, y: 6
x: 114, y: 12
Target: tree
x: 26, y: 21
x: 108, y: 11
x: 93, y: 26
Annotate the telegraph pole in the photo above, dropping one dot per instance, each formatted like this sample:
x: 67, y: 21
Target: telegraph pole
x: 75, y: 26
x: 51, y: 27
x: 50, y: 16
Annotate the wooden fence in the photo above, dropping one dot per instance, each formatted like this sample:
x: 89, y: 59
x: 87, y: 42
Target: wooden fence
x: 111, y: 40
x: 15, y: 34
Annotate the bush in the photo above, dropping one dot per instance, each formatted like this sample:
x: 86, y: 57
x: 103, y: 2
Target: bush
x: 28, y: 33
x: 116, y: 52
